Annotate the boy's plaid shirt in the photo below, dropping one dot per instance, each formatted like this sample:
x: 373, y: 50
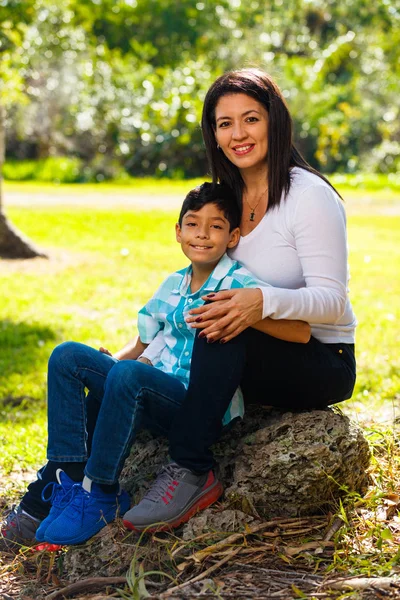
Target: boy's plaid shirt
x: 162, y: 325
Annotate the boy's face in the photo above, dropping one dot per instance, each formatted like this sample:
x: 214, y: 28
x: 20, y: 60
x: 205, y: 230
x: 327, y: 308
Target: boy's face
x: 205, y: 236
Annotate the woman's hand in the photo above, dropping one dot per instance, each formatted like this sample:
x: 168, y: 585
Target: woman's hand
x: 230, y: 312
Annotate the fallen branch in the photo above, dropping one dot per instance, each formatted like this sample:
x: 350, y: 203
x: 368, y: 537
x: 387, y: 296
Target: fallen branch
x: 247, y: 550
x: 193, y: 541
x: 334, y: 528
x: 362, y: 583
x: 231, y: 539
x: 87, y: 585
x: 202, y: 575
x: 318, y: 545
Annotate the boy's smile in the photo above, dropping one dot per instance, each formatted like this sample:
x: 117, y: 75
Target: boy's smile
x: 205, y: 236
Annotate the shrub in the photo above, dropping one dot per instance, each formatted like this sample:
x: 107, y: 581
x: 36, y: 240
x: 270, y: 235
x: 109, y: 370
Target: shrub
x: 55, y: 169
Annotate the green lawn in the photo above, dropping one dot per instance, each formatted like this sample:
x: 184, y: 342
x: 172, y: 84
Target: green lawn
x: 105, y: 264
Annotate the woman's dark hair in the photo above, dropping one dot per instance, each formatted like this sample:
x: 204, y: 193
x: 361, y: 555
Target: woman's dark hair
x: 282, y: 153
x: 215, y: 193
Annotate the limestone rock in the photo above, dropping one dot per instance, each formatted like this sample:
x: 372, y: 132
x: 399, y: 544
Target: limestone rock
x: 273, y: 464
x: 107, y: 554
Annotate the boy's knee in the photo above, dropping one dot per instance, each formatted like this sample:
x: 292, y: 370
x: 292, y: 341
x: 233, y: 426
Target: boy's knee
x: 62, y: 353
x: 125, y: 373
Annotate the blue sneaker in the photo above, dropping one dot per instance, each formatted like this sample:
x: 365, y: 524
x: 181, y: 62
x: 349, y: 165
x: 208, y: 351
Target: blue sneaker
x: 89, y: 510
x: 61, y: 494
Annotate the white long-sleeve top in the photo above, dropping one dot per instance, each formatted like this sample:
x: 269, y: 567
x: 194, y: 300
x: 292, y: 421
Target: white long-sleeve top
x: 300, y: 248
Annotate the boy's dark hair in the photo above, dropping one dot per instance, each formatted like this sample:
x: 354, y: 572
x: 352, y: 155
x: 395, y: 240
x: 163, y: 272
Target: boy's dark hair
x: 216, y: 193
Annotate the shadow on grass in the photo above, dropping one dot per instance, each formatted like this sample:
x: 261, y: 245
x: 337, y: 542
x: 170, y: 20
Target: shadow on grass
x: 23, y: 351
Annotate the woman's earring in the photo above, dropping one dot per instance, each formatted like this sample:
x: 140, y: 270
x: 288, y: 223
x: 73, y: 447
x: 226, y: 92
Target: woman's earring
x: 218, y: 147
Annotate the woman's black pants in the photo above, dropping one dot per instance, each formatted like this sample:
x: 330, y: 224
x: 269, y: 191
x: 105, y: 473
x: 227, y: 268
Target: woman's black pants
x: 285, y: 375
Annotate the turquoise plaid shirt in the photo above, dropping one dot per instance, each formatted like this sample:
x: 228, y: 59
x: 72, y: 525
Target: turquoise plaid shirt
x: 162, y: 325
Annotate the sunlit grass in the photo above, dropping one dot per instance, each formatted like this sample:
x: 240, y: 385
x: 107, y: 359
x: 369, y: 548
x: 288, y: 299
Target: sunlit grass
x: 375, y: 186
x: 105, y: 264
x: 143, y: 185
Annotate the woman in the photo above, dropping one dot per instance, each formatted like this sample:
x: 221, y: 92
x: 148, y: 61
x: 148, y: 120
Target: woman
x: 293, y: 236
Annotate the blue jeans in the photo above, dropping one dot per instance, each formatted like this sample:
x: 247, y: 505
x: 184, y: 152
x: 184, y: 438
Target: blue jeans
x: 129, y: 395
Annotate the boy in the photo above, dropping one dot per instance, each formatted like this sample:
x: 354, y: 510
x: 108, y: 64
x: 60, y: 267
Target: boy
x: 141, y: 386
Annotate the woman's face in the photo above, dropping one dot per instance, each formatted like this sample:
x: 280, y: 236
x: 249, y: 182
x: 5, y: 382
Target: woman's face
x: 241, y: 130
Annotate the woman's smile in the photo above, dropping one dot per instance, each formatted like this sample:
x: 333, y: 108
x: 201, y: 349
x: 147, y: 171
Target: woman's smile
x: 241, y: 150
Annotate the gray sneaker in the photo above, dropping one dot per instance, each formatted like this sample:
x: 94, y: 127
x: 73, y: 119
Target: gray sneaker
x: 175, y: 496
x: 18, y: 529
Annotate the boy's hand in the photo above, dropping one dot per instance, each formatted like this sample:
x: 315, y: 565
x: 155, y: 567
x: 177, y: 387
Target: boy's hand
x: 105, y: 351
x: 145, y: 361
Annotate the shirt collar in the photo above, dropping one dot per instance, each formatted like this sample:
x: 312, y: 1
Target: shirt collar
x: 221, y: 270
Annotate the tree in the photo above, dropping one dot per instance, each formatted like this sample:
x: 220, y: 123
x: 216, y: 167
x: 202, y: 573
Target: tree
x: 14, y: 15
x: 119, y: 84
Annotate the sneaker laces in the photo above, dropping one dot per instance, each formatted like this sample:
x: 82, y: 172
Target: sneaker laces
x: 80, y: 500
x: 10, y: 520
x: 165, y: 478
x: 58, y: 496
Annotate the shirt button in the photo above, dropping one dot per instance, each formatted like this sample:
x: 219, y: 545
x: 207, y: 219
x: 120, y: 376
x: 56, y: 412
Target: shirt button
x: 180, y: 325
x: 190, y: 300
x: 186, y: 353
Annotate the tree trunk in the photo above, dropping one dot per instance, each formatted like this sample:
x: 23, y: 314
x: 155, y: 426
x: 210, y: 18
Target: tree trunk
x: 13, y: 244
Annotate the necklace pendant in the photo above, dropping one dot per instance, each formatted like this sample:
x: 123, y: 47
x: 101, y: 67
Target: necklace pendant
x: 252, y: 215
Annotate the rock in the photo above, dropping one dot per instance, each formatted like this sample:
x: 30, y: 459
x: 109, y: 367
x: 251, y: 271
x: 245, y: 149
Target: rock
x: 107, y: 554
x: 273, y: 464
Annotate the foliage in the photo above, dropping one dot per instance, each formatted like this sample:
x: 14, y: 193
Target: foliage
x: 64, y: 170
x: 366, y: 181
x: 51, y: 169
x: 121, y: 82
x: 368, y: 541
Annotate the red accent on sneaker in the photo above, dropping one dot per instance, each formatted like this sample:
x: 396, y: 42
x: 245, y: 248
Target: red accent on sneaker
x: 46, y: 547
x: 210, y: 479
x: 169, y: 495
x: 171, y: 487
x: 208, y: 498
x: 175, y: 483
x: 165, y: 500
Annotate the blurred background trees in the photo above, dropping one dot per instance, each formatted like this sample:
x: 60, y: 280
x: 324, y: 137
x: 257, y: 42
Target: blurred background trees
x: 15, y: 18
x: 114, y: 87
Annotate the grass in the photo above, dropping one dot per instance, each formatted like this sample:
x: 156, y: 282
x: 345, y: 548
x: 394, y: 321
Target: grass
x: 373, y: 185
x: 105, y: 264
x: 144, y: 185
x: 101, y: 273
